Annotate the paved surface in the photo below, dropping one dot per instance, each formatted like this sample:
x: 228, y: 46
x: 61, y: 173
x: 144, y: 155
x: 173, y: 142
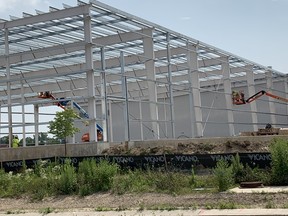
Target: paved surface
x: 230, y: 212
x: 273, y: 189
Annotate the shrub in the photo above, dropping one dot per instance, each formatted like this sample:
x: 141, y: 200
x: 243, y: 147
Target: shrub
x: 68, y: 178
x: 94, y: 177
x: 237, y: 169
x: 279, y: 166
x: 223, y: 175
x: 134, y: 181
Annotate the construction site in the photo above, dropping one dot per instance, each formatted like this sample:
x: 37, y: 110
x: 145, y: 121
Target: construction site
x: 133, y: 81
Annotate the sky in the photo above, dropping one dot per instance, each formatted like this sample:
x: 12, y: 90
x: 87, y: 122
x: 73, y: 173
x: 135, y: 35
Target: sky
x: 252, y: 29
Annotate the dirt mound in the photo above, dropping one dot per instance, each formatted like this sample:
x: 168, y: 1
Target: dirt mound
x: 191, y: 148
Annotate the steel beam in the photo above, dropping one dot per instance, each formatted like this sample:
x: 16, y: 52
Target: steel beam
x: 228, y: 96
x: 270, y: 100
x: 71, y: 47
x: 152, y: 87
x: 194, y: 91
x: 90, y: 78
x: 61, y: 14
x: 251, y: 91
x: 124, y: 89
x: 170, y: 84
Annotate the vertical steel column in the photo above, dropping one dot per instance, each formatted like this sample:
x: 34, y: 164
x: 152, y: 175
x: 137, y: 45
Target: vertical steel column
x: 270, y: 100
x: 165, y: 117
x: 286, y: 92
x: 104, y: 96
x: 141, y: 119
x: 8, y: 86
x: 125, y: 96
x: 90, y: 78
x: 110, y: 121
x: 71, y: 139
x: 251, y: 91
x: 195, y: 97
x: 23, y: 114
x: 170, y: 81
x: 228, y: 93
x: 36, y: 119
x: 151, y: 76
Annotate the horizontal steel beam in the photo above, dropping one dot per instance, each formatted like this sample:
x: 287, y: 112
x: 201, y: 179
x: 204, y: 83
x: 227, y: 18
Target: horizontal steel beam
x: 70, y: 47
x: 54, y: 15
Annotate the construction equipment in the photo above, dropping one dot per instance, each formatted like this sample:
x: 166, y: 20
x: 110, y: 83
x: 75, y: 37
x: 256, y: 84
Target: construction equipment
x: 238, y: 97
x: 61, y: 102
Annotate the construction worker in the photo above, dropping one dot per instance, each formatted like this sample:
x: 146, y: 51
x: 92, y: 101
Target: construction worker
x: 242, y: 97
x: 235, y: 96
x: 15, y: 142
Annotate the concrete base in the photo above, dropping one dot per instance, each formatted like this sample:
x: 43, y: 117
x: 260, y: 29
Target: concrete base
x: 57, y: 150
x: 91, y: 149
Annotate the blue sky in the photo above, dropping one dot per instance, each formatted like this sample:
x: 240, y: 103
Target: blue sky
x: 253, y: 29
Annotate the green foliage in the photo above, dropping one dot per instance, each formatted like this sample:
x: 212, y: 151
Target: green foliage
x: 227, y: 205
x: 46, y: 211
x: 237, y: 169
x: 167, y: 182
x: 47, y: 179
x: 279, y: 166
x: 223, y: 175
x: 138, y: 181
x: 63, y: 124
x: 94, y: 177
x: 4, y: 140
x: 132, y: 181
x: 67, y: 179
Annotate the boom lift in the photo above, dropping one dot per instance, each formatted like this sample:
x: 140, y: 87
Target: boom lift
x: 238, y: 97
x: 61, y: 102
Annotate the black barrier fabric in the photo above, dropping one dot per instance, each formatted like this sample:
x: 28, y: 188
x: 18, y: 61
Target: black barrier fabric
x: 176, y: 162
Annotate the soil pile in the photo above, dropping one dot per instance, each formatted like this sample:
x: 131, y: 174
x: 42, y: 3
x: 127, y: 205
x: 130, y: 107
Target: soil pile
x: 192, y: 148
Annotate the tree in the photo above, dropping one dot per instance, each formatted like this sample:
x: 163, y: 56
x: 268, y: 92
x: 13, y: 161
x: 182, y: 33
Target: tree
x: 4, y: 140
x: 43, y: 137
x: 63, y: 124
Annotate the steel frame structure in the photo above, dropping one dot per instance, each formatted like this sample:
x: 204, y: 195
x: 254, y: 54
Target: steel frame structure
x: 94, y: 54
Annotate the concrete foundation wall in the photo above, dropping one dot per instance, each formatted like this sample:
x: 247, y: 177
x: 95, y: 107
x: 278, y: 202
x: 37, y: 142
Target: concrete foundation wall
x: 92, y: 149
x: 37, y: 152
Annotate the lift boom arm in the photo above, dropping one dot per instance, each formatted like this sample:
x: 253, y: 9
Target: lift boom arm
x: 261, y: 93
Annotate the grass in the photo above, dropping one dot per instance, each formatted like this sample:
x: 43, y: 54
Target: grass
x: 46, y: 210
x: 53, y: 179
x: 103, y: 209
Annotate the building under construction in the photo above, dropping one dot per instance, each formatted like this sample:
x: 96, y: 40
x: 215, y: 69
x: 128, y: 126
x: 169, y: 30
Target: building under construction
x: 129, y: 78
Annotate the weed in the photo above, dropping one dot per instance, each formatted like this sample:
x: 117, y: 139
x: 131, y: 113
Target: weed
x: 121, y: 208
x: 141, y: 207
x: 103, y: 209
x: 270, y: 205
x: 223, y: 175
x: 68, y: 179
x: 46, y: 210
x: 209, y: 206
x: 93, y: 177
x: 237, y: 168
x: 279, y: 166
x: 227, y: 205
